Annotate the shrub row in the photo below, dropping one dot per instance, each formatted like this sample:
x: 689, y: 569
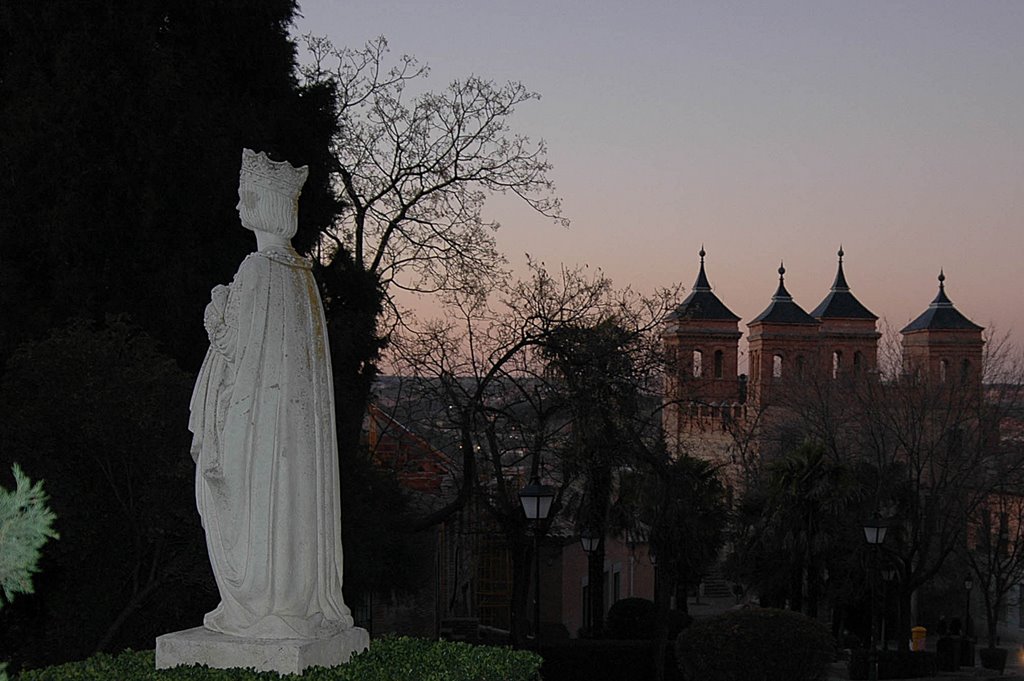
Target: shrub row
x: 604, y: 660
x: 756, y: 643
x: 388, y: 659
x: 636, y: 619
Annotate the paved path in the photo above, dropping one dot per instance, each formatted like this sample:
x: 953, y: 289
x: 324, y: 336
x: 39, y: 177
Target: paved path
x: 1014, y: 672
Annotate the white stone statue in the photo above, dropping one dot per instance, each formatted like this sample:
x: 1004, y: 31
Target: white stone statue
x: 262, y: 418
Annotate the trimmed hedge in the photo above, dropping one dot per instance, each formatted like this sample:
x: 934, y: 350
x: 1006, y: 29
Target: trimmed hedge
x: 603, y: 660
x: 388, y: 659
x: 631, y: 619
x: 756, y: 643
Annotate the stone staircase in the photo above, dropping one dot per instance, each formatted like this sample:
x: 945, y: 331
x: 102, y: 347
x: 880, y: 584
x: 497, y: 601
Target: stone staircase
x: 714, y: 585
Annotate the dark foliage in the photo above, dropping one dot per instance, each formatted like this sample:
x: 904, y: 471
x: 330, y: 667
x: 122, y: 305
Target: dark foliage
x: 123, y: 124
x: 631, y: 618
x: 382, y: 554
x: 97, y: 412
x: 353, y: 301
x: 604, y: 660
x: 774, y: 645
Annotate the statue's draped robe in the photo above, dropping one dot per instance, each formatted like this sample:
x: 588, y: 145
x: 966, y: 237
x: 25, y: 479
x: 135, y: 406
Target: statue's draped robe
x: 267, y: 488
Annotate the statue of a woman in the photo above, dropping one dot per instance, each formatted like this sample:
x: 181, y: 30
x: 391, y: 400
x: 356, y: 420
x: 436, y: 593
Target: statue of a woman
x: 263, y: 431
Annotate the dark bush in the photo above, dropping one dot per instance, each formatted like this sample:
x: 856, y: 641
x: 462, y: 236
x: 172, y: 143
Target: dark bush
x: 603, y: 660
x: 677, y: 621
x: 756, y: 643
x: 631, y: 619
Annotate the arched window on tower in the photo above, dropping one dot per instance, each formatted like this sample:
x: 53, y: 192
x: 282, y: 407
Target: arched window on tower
x: 837, y: 363
x: 777, y: 366
x: 799, y: 366
x: 943, y: 370
x: 719, y: 361
x: 858, y: 362
x: 965, y: 370
x: 698, y: 363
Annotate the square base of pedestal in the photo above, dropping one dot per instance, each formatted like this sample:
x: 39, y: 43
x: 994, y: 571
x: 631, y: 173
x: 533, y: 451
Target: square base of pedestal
x: 284, y: 656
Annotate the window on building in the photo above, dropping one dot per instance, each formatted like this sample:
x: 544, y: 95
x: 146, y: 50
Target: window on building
x: 494, y: 582
x: 719, y: 361
x: 943, y: 370
x: 837, y: 363
x: 965, y: 370
x: 698, y: 363
x: 858, y: 362
x: 777, y: 366
x: 799, y: 366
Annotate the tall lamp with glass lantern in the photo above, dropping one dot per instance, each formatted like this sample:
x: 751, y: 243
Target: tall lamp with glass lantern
x: 536, y: 500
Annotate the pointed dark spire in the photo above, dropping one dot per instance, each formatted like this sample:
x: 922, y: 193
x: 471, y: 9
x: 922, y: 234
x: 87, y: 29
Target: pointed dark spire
x: 782, y: 293
x: 941, y: 299
x: 840, y: 303
x: 782, y: 309
x: 840, y: 283
x: 941, y: 315
x: 702, y: 304
x: 702, y: 279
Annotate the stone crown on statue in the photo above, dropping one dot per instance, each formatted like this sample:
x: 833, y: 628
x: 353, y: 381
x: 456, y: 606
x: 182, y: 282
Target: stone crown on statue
x: 279, y: 177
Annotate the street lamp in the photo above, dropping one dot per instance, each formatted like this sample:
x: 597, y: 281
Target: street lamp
x: 968, y: 583
x: 888, y: 575
x: 875, y: 529
x: 536, y: 500
x: 589, y: 539
x: 874, y: 532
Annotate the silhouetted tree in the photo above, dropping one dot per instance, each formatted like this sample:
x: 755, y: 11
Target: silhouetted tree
x: 995, y: 552
x: 123, y: 124
x: 505, y: 406
x: 415, y: 172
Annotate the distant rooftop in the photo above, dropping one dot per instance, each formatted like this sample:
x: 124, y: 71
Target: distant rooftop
x: 941, y: 315
x: 702, y: 304
x: 840, y: 303
x: 782, y: 309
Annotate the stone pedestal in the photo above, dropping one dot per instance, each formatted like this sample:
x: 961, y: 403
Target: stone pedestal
x: 284, y: 656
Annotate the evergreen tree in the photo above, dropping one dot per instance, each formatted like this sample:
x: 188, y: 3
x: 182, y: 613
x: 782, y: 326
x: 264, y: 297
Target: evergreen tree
x: 122, y: 128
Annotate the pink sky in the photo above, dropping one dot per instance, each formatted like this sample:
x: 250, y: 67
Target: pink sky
x: 767, y: 131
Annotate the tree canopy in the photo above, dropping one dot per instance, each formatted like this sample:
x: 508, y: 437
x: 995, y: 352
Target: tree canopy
x: 123, y: 125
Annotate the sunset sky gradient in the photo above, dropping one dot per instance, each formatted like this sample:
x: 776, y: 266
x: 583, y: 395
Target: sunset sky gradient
x: 766, y: 131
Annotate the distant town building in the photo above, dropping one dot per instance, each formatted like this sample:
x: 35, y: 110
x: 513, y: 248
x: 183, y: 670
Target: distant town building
x: 714, y: 412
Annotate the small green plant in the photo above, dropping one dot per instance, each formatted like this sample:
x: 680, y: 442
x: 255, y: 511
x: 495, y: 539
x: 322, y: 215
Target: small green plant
x: 388, y: 659
x: 25, y: 525
x: 757, y: 643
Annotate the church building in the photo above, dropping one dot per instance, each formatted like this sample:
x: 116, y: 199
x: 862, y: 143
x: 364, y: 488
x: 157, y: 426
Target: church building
x: 718, y: 414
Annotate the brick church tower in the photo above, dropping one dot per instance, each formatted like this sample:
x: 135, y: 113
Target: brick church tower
x: 701, y: 337
x: 849, y: 340
x: 942, y: 345
x: 784, y: 346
